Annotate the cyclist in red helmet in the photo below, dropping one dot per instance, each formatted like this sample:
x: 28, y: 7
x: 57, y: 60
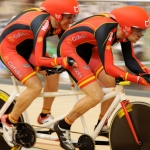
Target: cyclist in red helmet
x: 89, y: 42
x: 23, y: 50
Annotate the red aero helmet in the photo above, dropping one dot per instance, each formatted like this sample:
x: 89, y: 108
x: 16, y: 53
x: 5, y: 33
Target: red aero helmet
x: 58, y: 7
x: 130, y: 16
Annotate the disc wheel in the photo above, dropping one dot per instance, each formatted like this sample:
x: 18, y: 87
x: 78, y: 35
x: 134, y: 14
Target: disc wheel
x: 121, y: 137
x: 86, y: 142
x: 3, y: 98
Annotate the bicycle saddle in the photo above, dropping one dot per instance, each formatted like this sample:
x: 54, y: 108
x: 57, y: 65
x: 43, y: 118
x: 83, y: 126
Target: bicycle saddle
x: 50, y: 71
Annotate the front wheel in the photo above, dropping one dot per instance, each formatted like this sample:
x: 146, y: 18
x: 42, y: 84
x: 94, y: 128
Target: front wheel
x: 3, y: 98
x: 121, y: 137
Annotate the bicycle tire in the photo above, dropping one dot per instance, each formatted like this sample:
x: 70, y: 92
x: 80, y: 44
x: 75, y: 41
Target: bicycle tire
x: 120, y: 135
x: 3, y: 98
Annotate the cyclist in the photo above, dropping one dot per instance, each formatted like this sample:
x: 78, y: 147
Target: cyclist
x: 23, y: 48
x: 89, y: 43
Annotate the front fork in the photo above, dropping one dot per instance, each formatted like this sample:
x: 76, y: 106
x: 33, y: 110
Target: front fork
x: 123, y: 104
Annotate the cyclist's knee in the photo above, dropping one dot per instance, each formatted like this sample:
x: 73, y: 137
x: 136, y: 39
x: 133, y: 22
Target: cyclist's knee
x: 34, y: 85
x: 96, y: 98
x: 35, y: 88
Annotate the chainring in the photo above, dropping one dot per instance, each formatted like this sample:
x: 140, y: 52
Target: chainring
x: 86, y: 142
x: 25, y: 135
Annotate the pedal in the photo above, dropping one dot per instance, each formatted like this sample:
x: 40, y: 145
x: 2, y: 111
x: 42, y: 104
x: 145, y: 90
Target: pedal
x: 25, y: 135
x: 85, y: 142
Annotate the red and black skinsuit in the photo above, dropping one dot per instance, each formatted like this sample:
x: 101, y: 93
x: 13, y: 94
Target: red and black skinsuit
x: 23, y: 43
x: 89, y: 43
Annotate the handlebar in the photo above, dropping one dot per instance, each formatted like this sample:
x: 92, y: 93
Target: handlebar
x: 123, y: 83
x: 50, y: 71
x: 120, y: 81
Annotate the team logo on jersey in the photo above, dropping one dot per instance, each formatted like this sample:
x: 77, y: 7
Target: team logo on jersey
x: 86, y: 67
x: 15, y: 69
x: 11, y: 39
x: 27, y: 65
x: 40, y: 39
x: 78, y: 37
x: 78, y: 73
x: 108, y: 47
x: 5, y: 58
x: 69, y: 41
x: 19, y: 34
x: 45, y: 26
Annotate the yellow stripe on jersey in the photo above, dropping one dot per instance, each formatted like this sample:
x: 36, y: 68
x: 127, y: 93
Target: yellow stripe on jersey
x: 30, y: 75
x: 93, y: 77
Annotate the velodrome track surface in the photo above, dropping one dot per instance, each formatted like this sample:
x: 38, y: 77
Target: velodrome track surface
x: 63, y: 105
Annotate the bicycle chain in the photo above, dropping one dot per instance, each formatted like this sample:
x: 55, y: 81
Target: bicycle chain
x: 50, y: 128
x: 70, y: 131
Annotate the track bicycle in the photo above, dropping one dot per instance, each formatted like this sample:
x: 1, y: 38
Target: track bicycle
x: 129, y: 128
x: 7, y: 103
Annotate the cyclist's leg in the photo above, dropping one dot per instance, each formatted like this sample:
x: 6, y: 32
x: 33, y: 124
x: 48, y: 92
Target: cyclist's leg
x: 3, y: 98
x: 24, y: 73
x: 86, y: 80
x: 106, y: 80
x: 51, y: 85
x: 22, y: 70
x: 93, y: 96
x: 33, y: 89
x: 23, y: 101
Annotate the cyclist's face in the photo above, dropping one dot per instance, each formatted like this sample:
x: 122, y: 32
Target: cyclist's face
x: 136, y: 35
x: 66, y: 21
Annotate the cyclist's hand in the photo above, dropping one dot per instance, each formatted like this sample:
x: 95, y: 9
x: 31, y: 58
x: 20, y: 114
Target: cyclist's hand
x: 144, y: 79
x: 66, y: 62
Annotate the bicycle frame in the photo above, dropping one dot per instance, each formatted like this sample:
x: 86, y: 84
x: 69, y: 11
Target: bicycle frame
x: 116, y: 92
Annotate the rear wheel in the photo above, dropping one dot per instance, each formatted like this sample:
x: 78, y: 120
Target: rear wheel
x: 3, y: 98
x: 121, y: 137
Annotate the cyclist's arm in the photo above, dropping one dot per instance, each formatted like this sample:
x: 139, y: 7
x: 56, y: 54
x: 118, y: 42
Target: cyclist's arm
x: 132, y: 63
x: 104, y: 36
x: 40, y: 30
